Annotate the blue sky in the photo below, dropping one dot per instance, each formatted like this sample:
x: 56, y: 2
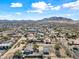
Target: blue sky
x: 38, y: 9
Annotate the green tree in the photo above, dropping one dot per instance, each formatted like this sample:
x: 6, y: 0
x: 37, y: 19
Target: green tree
x: 57, y: 47
x: 18, y: 53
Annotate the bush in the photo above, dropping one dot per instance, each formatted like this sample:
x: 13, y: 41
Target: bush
x: 18, y: 53
x: 57, y: 47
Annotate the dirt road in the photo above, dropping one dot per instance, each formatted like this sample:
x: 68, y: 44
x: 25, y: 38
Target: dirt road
x: 11, y: 51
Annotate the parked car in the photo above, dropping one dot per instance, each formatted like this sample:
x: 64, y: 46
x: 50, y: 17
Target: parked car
x: 46, y: 50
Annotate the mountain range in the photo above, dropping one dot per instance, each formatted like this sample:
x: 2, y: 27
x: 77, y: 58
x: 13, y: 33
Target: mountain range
x: 50, y: 19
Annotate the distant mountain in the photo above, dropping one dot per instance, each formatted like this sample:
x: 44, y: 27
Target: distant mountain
x: 56, y: 19
x: 16, y: 21
x: 45, y: 20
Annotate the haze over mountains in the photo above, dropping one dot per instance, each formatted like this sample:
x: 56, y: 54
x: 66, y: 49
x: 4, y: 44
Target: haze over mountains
x: 51, y: 21
x: 44, y: 19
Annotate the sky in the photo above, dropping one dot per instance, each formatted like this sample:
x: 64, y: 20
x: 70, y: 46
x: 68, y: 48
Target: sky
x: 38, y: 9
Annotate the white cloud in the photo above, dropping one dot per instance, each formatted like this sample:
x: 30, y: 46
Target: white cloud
x: 47, y: 6
x: 35, y: 11
x: 72, y: 5
x: 40, y: 7
x: 9, y: 17
x: 18, y: 13
x: 56, y: 8
x: 16, y: 5
x: 67, y: 15
x: 44, y: 6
